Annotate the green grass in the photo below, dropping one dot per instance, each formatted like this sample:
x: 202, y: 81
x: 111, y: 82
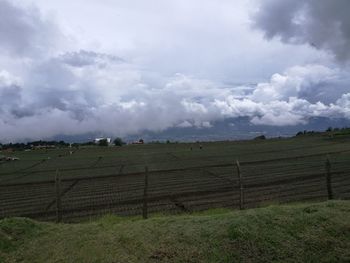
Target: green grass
x: 317, y: 232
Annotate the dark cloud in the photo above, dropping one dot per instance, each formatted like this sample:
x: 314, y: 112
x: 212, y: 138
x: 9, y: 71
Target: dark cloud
x: 24, y: 31
x: 86, y: 58
x: 323, y: 24
x: 10, y: 97
x: 10, y: 92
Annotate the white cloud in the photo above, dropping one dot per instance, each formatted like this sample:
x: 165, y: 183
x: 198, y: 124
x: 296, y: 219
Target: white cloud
x: 295, y: 82
x: 118, y: 99
x: 7, y: 79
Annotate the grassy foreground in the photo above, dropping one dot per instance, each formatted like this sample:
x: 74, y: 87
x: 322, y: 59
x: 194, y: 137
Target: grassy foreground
x: 292, y: 233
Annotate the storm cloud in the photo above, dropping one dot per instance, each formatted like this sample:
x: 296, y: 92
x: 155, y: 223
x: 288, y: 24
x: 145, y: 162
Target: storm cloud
x: 25, y: 32
x: 323, y: 24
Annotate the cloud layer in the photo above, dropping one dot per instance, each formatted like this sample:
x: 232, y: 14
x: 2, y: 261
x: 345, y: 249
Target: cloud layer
x: 113, y: 97
x: 50, y: 87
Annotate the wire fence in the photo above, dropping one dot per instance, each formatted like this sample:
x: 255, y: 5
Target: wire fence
x: 233, y: 185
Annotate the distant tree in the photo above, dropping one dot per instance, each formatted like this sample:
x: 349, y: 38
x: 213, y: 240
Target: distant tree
x: 103, y: 142
x: 261, y: 137
x: 156, y: 142
x: 167, y: 141
x: 118, y: 142
x: 299, y: 133
x: 329, y: 129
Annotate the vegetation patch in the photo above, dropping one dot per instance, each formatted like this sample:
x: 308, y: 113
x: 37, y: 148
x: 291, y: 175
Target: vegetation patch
x: 15, y: 232
x: 317, y: 232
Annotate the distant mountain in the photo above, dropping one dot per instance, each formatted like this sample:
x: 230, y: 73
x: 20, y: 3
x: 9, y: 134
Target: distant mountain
x: 229, y: 129
x: 237, y: 129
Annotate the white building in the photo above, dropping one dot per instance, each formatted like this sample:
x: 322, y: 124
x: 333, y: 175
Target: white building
x: 97, y: 140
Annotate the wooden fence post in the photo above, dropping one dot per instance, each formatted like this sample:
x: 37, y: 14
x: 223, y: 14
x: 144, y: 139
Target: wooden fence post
x: 58, y: 197
x: 240, y: 184
x: 329, y: 179
x: 145, y: 196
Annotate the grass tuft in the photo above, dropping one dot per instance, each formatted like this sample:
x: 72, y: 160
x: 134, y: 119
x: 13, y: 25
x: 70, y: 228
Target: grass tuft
x: 318, y: 232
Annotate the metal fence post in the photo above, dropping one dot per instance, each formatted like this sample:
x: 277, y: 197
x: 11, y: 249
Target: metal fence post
x: 240, y: 185
x: 329, y: 179
x: 145, y: 196
x: 58, y: 197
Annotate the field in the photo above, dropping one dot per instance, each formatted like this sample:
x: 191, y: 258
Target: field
x: 182, y: 177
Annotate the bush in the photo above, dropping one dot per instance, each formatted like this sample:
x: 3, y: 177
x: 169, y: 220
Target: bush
x: 103, y: 142
x: 261, y: 137
x: 118, y: 142
x: 300, y: 133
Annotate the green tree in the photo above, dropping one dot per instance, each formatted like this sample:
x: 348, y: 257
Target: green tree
x: 118, y: 142
x: 103, y: 142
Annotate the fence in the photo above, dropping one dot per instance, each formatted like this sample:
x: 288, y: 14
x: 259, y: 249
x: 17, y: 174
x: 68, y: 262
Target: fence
x: 234, y: 185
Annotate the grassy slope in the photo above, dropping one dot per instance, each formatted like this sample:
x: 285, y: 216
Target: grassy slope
x: 294, y: 233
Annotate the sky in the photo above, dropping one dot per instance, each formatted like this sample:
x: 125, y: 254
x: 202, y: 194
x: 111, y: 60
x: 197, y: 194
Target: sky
x: 124, y: 67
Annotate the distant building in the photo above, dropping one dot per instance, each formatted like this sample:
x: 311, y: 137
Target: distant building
x: 8, y: 158
x: 141, y: 141
x: 97, y: 140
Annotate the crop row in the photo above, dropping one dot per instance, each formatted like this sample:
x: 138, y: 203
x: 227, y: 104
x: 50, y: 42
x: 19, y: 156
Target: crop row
x: 188, y: 192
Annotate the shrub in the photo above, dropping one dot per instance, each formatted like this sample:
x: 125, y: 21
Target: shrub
x: 118, y: 142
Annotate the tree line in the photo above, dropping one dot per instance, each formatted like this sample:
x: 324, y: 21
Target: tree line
x: 344, y: 130
x: 57, y: 144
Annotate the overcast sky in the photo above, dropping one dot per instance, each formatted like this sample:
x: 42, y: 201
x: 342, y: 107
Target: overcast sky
x: 121, y: 67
